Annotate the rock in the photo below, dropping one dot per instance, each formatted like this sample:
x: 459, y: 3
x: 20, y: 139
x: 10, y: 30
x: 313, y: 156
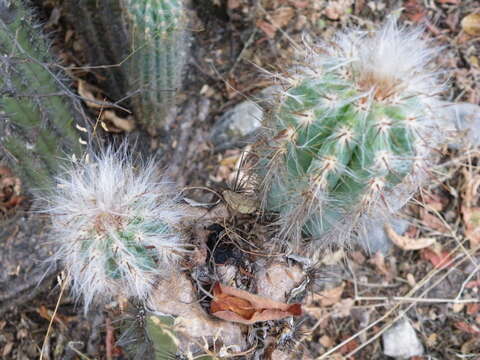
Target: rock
x: 238, y: 125
x: 374, y: 238
x: 176, y: 296
x: 461, y: 122
x: 277, y: 280
x: 400, y: 341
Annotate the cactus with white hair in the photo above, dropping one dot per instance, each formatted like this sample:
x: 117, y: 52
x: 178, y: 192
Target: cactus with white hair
x: 115, y: 224
x: 351, y: 134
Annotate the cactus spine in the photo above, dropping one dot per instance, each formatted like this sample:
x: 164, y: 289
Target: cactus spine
x: 38, y: 124
x: 350, y: 134
x: 158, y: 55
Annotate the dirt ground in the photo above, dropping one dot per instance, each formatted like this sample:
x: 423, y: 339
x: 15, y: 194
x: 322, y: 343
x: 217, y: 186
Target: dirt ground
x: 437, y: 288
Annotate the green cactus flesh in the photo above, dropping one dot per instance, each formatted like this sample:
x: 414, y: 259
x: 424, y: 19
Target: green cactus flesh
x: 336, y: 151
x: 158, y: 54
x: 39, y: 122
x: 116, y: 244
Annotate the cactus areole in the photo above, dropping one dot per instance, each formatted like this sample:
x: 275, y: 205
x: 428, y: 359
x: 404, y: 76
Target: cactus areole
x: 351, y: 126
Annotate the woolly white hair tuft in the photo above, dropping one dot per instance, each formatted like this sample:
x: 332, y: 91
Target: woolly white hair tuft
x: 392, y: 60
x: 113, y: 223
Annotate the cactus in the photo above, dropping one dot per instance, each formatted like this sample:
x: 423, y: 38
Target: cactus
x: 101, y: 25
x: 38, y: 127
x: 158, y: 55
x: 114, y: 224
x: 350, y: 134
x: 142, y: 45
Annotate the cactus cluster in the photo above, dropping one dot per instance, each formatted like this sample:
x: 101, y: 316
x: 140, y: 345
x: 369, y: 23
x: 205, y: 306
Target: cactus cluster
x: 158, y: 55
x: 38, y: 128
x: 115, y: 227
x: 351, y: 133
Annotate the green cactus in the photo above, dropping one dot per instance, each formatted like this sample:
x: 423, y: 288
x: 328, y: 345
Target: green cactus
x: 158, y: 55
x: 349, y: 133
x: 38, y: 127
x: 142, y: 46
x: 102, y: 27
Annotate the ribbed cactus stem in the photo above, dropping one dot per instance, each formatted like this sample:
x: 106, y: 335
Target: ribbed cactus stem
x: 353, y: 128
x: 102, y: 27
x: 158, y: 31
x: 38, y: 129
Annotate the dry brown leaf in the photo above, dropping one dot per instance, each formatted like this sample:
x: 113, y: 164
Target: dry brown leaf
x: 336, y: 9
x: 433, y: 202
x: 5, y: 172
x: 471, y: 24
x: 87, y: 94
x: 233, y: 4
x: 7, y: 349
x: 299, y: 4
x: 470, y: 346
x: 467, y: 328
x: 473, y: 309
x: 457, y: 307
x: 471, y: 213
x: 471, y: 217
x: 439, y: 259
x: 379, y: 261
x: 267, y: 28
x: 433, y: 221
x: 240, y: 306
x: 119, y: 124
x: 329, y: 297
x: 326, y: 341
x: 282, y: 16
x: 343, y: 308
x: 408, y: 243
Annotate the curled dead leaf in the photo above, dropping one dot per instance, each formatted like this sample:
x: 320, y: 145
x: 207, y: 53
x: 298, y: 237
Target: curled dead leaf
x: 85, y: 92
x: 240, y: 306
x: 115, y: 123
x: 471, y: 24
x: 408, y: 243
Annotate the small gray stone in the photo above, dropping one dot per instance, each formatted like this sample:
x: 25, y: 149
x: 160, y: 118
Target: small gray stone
x: 238, y: 126
x: 401, y: 342
x: 461, y: 121
x: 374, y: 238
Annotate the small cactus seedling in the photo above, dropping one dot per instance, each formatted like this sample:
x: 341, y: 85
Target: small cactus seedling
x: 115, y: 227
x: 38, y: 126
x: 158, y: 38
x: 351, y: 134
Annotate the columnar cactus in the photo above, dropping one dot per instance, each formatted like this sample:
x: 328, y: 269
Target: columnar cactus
x: 158, y: 47
x: 351, y: 134
x: 142, y: 46
x: 102, y: 27
x: 115, y: 227
x: 38, y: 128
